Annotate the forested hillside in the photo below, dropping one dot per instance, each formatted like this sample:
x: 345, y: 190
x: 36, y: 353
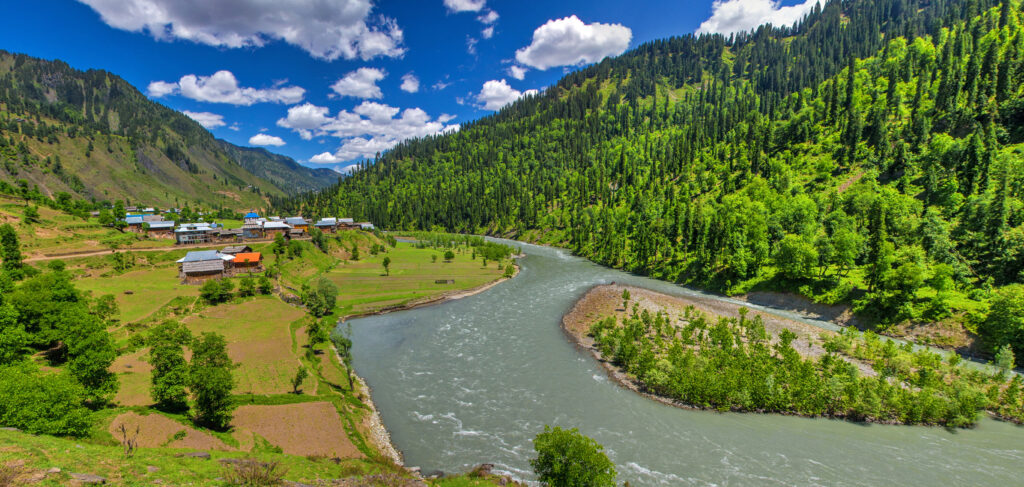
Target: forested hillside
x: 869, y: 155
x: 93, y: 135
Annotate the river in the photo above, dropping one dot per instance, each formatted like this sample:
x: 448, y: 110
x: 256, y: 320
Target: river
x: 474, y: 380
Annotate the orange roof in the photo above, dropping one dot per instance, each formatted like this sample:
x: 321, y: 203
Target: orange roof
x: 248, y: 257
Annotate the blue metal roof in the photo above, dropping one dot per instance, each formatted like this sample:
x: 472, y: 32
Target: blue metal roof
x: 296, y: 220
x: 251, y: 215
x: 133, y: 220
x: 201, y: 255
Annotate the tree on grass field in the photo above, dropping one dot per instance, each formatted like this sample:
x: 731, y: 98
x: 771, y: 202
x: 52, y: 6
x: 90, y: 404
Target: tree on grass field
x: 216, y: 291
x: 265, y: 286
x: 170, y: 371
x: 279, y: 247
x: 320, y: 297
x: 449, y: 255
x: 90, y: 353
x: 10, y: 251
x: 31, y: 214
x: 387, y: 265
x: 247, y: 286
x: 300, y: 375
x: 211, y: 381
x: 566, y: 458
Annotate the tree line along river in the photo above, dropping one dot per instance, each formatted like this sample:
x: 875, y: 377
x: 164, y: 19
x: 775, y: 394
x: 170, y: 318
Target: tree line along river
x: 473, y: 381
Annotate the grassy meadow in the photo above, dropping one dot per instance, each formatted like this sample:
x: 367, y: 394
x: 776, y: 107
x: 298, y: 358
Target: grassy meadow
x: 267, y: 339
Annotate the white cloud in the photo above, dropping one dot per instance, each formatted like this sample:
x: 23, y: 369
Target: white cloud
x: 445, y: 118
x: 208, y: 120
x: 264, y: 139
x: 471, y: 45
x: 728, y: 16
x: 222, y: 87
x: 517, y: 72
x: 570, y: 42
x: 440, y: 85
x: 410, y: 83
x: 361, y: 83
x: 369, y: 128
x: 464, y: 5
x: 488, y: 17
x: 496, y: 94
x: 326, y: 29
x: 487, y: 32
x: 158, y: 89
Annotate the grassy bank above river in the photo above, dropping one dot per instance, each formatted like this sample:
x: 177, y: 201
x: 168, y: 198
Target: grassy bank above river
x: 702, y: 353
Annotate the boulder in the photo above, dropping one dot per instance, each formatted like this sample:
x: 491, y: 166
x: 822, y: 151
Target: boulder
x: 87, y: 479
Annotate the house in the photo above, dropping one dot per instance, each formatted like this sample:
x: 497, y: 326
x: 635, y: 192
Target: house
x: 248, y: 262
x: 296, y: 233
x: 198, y: 266
x: 328, y: 225
x: 253, y: 229
x: 347, y: 223
x: 194, y: 233
x: 152, y: 218
x: 227, y: 235
x: 252, y: 217
x: 365, y: 225
x: 235, y: 249
x: 160, y: 229
x: 270, y: 229
x: 297, y: 222
x: 134, y: 222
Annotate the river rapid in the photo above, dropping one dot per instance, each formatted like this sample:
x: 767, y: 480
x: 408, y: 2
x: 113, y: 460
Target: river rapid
x: 473, y: 380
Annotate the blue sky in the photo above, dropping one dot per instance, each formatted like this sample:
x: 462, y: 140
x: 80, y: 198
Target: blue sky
x: 331, y: 81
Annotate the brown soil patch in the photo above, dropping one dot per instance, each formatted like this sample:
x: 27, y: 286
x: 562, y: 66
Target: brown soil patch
x: 156, y: 431
x: 839, y: 314
x: 310, y: 428
x: 230, y: 194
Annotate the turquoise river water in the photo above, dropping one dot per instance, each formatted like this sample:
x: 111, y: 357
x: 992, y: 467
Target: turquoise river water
x: 473, y: 380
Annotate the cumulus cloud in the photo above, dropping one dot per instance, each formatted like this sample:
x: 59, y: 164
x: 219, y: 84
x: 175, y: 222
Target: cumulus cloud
x: 464, y: 5
x: 367, y: 129
x: 517, y: 72
x: 410, y: 83
x: 264, y: 139
x: 208, y: 120
x: 361, y: 83
x: 222, y: 87
x: 728, y: 16
x: 570, y: 42
x: 496, y: 94
x: 158, y: 89
x: 326, y: 29
x: 487, y: 32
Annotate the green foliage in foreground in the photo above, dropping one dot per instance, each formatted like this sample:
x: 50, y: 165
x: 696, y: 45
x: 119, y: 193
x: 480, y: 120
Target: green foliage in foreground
x: 734, y: 364
x: 37, y: 403
x: 566, y: 458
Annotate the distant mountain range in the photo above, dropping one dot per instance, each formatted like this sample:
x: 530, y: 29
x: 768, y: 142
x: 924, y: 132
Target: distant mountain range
x: 93, y: 135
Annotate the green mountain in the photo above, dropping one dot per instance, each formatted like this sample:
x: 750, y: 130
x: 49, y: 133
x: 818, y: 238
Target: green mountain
x: 870, y: 155
x: 93, y: 135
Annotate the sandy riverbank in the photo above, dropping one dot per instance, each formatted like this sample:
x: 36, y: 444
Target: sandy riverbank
x: 606, y: 300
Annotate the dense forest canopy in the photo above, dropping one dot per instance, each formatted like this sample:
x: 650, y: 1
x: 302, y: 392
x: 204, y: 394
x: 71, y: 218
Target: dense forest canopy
x: 869, y: 154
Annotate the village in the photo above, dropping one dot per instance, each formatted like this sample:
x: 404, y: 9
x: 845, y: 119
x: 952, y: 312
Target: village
x: 200, y: 265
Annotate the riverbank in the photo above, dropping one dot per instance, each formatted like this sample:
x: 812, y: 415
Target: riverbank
x: 706, y: 354
x: 379, y: 433
x: 605, y: 300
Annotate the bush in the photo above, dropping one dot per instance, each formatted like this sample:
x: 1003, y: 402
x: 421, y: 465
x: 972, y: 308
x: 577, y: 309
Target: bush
x: 216, y: 291
x: 566, y: 458
x: 253, y: 473
x: 42, y: 404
